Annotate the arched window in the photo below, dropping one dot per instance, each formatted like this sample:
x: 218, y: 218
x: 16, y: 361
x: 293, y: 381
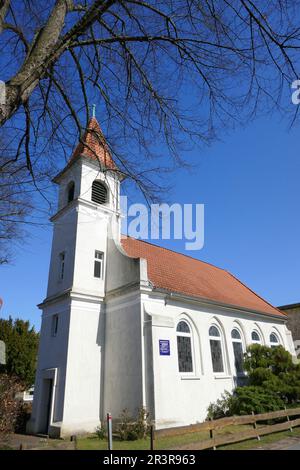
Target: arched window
x: 274, y: 341
x: 99, y: 192
x: 184, y: 347
x: 216, y: 349
x: 238, y: 351
x: 255, y: 337
x: 71, y: 191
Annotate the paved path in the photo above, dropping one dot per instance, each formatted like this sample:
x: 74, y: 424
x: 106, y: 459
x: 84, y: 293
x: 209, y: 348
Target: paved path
x: 290, y: 443
x: 14, y: 441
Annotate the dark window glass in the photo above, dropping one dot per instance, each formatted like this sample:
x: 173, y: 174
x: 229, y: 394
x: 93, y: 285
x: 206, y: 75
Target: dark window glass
x: 183, y: 327
x: 255, y: 336
x: 99, y: 192
x: 71, y: 191
x: 62, y: 265
x: 238, y: 357
x: 213, y: 331
x: 97, y: 269
x: 273, y: 338
x: 216, y: 355
x: 54, y: 325
x: 235, y: 334
x: 184, y: 348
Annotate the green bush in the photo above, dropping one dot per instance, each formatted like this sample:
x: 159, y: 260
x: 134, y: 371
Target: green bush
x: 273, y: 382
x: 256, y: 399
x: 243, y: 401
x: 101, y: 432
x: 222, y: 407
x: 129, y: 429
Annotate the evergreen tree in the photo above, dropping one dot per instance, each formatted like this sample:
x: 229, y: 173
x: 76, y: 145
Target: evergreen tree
x: 21, y: 342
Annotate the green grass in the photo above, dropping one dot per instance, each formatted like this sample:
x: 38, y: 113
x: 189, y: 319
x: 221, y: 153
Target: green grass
x: 93, y: 443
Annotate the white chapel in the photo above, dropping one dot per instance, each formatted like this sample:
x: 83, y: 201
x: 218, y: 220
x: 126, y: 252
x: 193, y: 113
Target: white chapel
x: 128, y: 324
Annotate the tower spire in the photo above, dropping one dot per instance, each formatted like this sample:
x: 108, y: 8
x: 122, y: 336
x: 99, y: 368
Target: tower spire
x: 94, y: 111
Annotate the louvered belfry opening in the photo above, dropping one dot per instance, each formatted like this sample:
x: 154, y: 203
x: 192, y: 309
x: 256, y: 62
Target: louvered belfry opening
x: 99, y: 192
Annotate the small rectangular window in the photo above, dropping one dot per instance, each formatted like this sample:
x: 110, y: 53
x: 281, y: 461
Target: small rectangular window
x: 54, y: 326
x: 62, y: 257
x: 98, y: 264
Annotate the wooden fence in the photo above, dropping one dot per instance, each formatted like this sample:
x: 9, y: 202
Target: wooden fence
x: 290, y: 417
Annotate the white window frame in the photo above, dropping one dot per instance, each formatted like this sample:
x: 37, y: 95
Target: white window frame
x: 187, y: 335
x: 221, y: 339
x: 272, y: 343
x: 255, y: 341
x: 99, y: 260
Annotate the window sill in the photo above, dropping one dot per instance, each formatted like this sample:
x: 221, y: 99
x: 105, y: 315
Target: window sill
x: 190, y: 377
x: 222, y: 377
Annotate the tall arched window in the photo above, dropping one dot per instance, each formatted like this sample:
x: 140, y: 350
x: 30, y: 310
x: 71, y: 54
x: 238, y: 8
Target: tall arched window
x: 274, y: 341
x: 71, y: 191
x: 255, y: 337
x: 184, y: 347
x: 238, y: 351
x: 99, y: 192
x: 216, y: 349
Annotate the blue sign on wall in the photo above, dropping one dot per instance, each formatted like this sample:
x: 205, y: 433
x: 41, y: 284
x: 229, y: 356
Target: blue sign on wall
x: 164, y: 347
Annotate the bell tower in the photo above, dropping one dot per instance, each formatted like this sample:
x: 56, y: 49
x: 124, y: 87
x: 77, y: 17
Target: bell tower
x: 72, y: 332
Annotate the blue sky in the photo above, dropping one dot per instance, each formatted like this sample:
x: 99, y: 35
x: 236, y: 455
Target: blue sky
x: 249, y: 184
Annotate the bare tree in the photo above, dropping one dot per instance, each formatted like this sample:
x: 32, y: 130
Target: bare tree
x: 159, y: 70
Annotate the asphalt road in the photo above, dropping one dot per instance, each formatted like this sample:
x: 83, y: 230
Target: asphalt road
x: 293, y: 447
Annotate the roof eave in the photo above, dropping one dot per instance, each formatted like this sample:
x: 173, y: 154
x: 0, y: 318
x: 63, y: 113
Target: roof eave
x: 95, y: 163
x: 190, y: 298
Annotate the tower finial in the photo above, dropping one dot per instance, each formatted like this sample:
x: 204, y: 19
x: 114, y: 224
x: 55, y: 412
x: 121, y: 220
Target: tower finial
x: 94, y: 110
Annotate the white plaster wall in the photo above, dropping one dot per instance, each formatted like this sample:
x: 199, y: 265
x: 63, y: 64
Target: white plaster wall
x: 89, y: 172
x: 83, y: 375
x: 182, y: 400
x: 52, y: 354
x: 91, y: 236
x: 121, y: 270
x: 73, y: 174
x: 123, y: 355
x: 64, y: 240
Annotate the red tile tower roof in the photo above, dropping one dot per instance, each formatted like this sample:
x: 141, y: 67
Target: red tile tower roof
x: 182, y: 274
x: 93, y: 145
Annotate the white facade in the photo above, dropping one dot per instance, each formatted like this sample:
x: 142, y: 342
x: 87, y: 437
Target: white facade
x: 99, y: 349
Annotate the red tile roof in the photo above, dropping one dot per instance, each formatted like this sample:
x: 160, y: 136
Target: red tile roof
x: 94, y: 146
x: 185, y: 275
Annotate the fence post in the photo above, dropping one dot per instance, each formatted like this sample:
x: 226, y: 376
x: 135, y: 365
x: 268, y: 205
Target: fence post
x: 152, y: 437
x: 288, y: 419
x: 212, y: 434
x: 109, y: 431
x: 255, y: 427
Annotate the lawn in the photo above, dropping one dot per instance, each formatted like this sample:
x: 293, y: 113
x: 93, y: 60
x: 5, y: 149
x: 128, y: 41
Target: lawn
x: 93, y: 443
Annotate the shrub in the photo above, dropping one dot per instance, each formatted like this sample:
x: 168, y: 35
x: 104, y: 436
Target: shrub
x: 273, y: 382
x: 256, y: 399
x: 129, y: 429
x: 222, y: 407
x: 243, y: 401
x: 101, y: 432
x: 13, y: 413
